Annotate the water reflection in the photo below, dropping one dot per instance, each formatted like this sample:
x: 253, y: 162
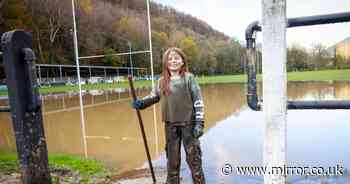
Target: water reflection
x: 113, y: 134
x: 233, y: 132
x: 315, y: 138
x: 238, y: 141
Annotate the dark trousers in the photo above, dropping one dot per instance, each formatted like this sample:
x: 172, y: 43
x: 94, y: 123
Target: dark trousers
x: 174, y: 134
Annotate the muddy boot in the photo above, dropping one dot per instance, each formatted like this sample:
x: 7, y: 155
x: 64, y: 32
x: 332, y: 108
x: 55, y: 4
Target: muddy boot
x: 173, y: 178
x: 193, y: 155
x: 195, y: 162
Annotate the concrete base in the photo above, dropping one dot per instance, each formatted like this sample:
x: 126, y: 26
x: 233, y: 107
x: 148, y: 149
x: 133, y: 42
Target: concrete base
x: 141, y: 176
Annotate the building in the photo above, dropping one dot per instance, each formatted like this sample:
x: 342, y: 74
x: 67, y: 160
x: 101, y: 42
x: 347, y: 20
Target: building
x: 343, y: 49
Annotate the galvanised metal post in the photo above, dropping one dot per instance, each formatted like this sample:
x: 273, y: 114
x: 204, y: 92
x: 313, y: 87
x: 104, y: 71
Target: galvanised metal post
x: 253, y: 101
x: 274, y: 62
x: 25, y: 105
x: 130, y: 58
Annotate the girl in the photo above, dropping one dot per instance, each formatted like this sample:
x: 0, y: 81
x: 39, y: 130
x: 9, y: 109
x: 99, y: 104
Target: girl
x: 183, y: 114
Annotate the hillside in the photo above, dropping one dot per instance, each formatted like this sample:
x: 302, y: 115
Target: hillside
x: 106, y: 26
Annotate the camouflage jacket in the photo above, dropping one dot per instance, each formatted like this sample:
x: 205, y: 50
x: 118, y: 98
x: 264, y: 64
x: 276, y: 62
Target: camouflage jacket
x: 184, y: 104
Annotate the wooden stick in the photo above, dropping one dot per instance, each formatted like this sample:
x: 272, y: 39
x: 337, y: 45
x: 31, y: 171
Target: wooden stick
x: 142, y: 128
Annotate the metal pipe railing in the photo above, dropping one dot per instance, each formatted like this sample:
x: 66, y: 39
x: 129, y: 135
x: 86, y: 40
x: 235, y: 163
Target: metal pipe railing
x: 5, y: 109
x: 252, y: 97
x: 319, y: 19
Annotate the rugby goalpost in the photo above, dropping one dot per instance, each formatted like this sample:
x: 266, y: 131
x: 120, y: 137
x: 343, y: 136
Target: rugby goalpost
x: 77, y: 61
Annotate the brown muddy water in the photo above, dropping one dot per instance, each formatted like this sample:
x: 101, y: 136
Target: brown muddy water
x: 234, y: 133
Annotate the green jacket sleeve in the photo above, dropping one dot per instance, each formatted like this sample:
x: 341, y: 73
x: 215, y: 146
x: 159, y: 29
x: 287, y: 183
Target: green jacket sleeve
x: 152, y: 98
x: 197, y: 99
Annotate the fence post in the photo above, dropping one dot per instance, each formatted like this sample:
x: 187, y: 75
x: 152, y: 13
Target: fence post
x: 25, y: 105
x: 274, y: 58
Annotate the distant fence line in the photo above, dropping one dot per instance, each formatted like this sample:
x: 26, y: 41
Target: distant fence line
x: 53, y: 73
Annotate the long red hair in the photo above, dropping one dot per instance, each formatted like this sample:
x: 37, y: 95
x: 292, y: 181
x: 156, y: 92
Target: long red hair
x: 165, y: 79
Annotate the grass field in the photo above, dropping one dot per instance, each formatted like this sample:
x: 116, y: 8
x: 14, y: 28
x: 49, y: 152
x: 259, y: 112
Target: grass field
x: 86, y: 168
x: 324, y: 75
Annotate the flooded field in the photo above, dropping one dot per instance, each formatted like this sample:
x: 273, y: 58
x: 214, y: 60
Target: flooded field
x: 234, y: 133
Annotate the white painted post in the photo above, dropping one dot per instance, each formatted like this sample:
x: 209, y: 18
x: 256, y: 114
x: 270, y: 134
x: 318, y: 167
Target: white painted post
x: 152, y: 73
x: 76, y: 51
x: 39, y: 70
x: 61, y: 77
x: 275, y: 88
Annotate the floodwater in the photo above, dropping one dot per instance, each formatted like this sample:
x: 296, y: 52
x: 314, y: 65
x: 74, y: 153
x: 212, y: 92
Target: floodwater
x: 233, y: 133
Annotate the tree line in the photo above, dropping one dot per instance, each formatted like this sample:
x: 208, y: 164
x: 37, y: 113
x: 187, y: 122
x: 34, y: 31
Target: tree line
x: 318, y: 57
x: 116, y: 26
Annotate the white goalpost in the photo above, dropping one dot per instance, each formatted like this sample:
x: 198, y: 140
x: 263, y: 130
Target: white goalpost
x: 77, y: 61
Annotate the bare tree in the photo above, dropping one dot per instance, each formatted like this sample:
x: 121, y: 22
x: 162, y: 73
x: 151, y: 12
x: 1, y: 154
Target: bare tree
x: 2, y: 2
x: 320, y: 56
x: 50, y: 16
x: 297, y: 58
x: 54, y: 11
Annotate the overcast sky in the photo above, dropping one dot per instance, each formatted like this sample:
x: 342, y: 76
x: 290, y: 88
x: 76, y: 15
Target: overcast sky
x: 233, y: 16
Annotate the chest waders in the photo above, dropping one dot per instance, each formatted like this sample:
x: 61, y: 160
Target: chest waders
x: 181, y: 110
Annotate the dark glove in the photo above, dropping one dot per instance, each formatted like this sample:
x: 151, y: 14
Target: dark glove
x: 137, y: 104
x: 198, y: 129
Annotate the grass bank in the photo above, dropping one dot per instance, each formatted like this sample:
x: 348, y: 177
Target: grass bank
x: 323, y: 75
x: 87, y: 169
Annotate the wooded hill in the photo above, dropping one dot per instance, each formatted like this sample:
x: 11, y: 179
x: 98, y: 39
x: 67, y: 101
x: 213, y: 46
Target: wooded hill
x: 106, y: 26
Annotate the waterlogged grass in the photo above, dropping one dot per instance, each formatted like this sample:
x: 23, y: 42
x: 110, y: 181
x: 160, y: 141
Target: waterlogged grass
x: 324, y: 75
x: 3, y: 93
x: 86, y: 168
x: 222, y: 79
x: 75, y: 88
x: 58, y: 89
x: 8, y: 162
